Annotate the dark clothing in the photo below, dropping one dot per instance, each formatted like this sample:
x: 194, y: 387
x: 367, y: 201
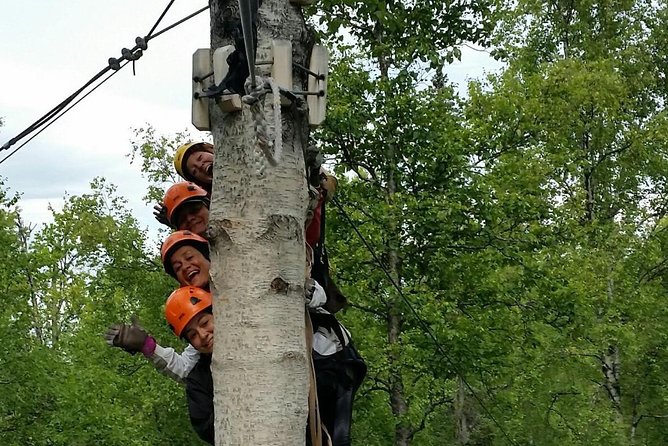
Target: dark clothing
x: 320, y: 268
x: 338, y: 376
x: 199, y: 390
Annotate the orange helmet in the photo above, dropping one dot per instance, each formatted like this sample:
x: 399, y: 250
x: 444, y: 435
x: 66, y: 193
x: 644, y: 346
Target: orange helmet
x: 184, y: 304
x: 175, y: 241
x: 180, y: 193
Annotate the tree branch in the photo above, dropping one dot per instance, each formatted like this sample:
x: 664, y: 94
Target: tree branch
x: 368, y: 310
x: 429, y: 410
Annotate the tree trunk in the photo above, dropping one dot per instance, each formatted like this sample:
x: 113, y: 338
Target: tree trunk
x: 611, y: 367
x: 461, y: 415
x: 259, y: 366
x: 402, y: 431
x: 610, y: 363
x: 24, y: 233
x: 398, y: 403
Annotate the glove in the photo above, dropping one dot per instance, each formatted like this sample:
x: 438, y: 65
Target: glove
x: 130, y: 338
x: 160, y: 214
x: 314, y: 294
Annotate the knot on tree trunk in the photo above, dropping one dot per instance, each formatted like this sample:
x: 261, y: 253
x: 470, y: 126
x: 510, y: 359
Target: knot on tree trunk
x: 280, y: 286
x: 218, y: 235
x: 281, y: 227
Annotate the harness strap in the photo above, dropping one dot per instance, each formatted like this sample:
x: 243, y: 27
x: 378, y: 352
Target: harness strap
x: 315, y: 424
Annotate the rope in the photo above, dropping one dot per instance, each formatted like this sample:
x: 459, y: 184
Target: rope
x: 272, y: 147
x: 315, y: 425
x: 421, y: 321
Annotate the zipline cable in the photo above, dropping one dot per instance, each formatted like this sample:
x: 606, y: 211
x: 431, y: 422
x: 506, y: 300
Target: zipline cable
x: 114, y: 64
x: 421, y: 321
x: 157, y: 22
x: 175, y: 24
x: 248, y: 13
x: 64, y: 111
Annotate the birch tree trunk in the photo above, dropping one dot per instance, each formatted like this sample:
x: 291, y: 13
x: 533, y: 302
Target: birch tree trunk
x: 257, y: 253
x: 398, y: 402
x: 461, y: 414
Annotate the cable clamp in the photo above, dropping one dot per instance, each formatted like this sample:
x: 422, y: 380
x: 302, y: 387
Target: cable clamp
x: 131, y: 55
x: 141, y: 43
x: 114, y: 64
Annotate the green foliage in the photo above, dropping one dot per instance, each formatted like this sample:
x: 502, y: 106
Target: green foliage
x: 527, y: 223
x: 156, y: 153
x: 64, y: 283
x: 406, y: 31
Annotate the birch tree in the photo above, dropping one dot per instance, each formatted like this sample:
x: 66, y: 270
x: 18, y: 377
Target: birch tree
x: 257, y: 250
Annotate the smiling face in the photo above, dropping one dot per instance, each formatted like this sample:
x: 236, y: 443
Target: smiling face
x: 199, y: 332
x: 199, y: 165
x: 192, y: 216
x: 190, y: 267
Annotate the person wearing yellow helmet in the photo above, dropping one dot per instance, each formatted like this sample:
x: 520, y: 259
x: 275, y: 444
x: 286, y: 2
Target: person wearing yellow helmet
x: 194, y: 162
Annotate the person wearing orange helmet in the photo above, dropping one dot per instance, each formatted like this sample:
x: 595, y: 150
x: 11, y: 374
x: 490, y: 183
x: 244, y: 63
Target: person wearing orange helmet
x: 189, y: 313
x: 184, y: 206
x: 185, y: 256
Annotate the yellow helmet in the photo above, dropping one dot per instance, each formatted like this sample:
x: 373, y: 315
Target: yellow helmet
x: 181, y: 156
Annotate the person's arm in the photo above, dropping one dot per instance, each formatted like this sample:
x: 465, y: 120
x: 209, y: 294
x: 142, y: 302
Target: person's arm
x: 199, y: 391
x: 174, y: 365
x: 134, y: 339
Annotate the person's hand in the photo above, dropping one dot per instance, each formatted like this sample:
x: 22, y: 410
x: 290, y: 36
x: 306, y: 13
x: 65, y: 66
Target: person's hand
x: 130, y: 338
x: 328, y: 185
x: 160, y: 214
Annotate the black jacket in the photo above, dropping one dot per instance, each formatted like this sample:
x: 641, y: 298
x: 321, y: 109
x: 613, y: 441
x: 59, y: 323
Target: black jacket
x: 199, y: 390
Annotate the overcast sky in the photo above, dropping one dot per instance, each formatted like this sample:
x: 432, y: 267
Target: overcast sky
x: 48, y: 49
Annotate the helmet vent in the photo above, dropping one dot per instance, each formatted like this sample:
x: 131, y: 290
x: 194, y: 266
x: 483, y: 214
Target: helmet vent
x: 194, y: 300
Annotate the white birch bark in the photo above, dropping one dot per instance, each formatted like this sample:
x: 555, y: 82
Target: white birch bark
x: 257, y: 257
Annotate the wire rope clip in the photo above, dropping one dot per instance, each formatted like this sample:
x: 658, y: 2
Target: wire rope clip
x: 227, y: 102
x: 114, y: 64
x: 141, y: 43
x: 201, y: 81
x: 281, y: 67
x: 317, y: 103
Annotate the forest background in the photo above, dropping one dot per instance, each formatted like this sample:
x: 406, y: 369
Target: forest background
x: 524, y: 224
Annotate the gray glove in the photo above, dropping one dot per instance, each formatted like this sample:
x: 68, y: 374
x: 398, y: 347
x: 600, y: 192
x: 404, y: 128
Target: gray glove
x: 130, y: 338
